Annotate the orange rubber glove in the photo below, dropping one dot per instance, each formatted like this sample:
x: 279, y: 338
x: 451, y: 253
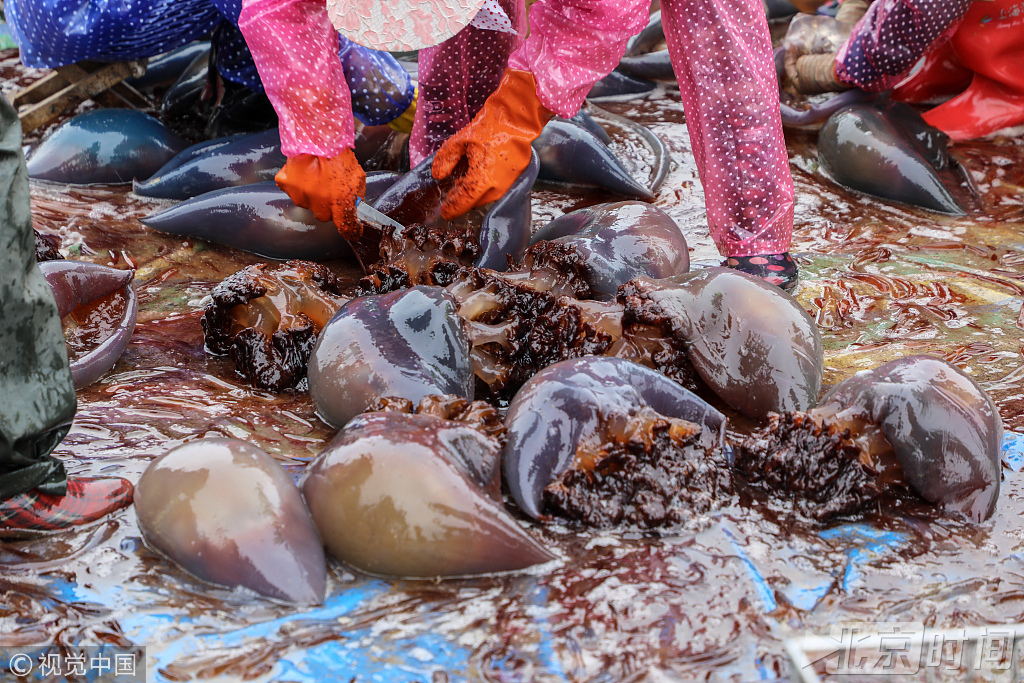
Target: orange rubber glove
x: 327, y: 186
x: 496, y: 143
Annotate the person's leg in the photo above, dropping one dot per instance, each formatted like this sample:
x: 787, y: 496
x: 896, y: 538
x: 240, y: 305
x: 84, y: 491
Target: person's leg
x: 234, y: 61
x: 456, y: 77
x: 381, y: 89
x: 56, y: 32
x: 938, y: 74
x: 989, y: 42
x: 723, y: 60
x: 38, y: 401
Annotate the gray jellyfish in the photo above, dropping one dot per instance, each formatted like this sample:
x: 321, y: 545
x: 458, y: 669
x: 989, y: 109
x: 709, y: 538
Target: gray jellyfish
x: 414, y: 496
x: 228, y: 513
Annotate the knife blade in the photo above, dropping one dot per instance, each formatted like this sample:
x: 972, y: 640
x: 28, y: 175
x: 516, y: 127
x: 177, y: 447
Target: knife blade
x: 368, y: 214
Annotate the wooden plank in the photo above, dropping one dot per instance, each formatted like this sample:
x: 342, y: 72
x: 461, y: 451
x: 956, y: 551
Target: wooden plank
x: 40, y: 90
x: 72, y: 72
x: 53, y: 106
x: 132, y: 96
x: 122, y: 93
x: 94, y: 83
x: 108, y: 100
x: 84, y: 85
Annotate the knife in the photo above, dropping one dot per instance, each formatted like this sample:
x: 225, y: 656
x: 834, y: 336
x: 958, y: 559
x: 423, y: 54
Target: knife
x: 368, y: 214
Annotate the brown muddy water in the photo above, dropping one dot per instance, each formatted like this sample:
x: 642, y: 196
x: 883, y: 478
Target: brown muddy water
x: 716, y: 601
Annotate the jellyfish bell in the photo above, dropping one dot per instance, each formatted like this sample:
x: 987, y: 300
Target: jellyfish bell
x: 889, y: 151
x: 943, y: 431
x: 407, y: 344
x: 751, y: 343
x: 613, y: 422
x: 914, y: 425
x: 413, y: 496
x: 228, y: 513
x: 104, y: 146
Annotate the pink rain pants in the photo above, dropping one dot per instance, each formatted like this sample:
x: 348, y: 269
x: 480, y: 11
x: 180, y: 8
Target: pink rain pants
x: 721, y: 51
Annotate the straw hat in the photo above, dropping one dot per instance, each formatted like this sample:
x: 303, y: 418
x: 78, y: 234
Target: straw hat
x: 403, y: 25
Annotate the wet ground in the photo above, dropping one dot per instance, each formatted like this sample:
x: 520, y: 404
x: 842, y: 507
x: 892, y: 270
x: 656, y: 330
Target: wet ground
x: 715, y: 601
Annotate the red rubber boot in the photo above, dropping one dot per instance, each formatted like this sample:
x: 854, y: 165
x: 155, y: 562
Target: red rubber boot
x: 989, y: 42
x: 938, y: 75
x: 87, y: 500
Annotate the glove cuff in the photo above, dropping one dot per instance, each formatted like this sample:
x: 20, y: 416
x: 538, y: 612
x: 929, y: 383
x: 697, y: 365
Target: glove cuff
x: 517, y: 100
x: 817, y: 74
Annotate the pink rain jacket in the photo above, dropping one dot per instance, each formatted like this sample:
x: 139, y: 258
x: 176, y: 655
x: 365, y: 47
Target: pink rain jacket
x: 720, y: 49
x: 893, y: 35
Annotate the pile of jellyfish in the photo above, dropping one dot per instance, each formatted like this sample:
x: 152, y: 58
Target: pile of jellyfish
x: 582, y: 369
x: 412, y: 485
x: 603, y: 372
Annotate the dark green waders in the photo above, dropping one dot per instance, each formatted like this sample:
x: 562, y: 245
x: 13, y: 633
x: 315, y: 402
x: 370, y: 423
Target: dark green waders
x: 37, y: 397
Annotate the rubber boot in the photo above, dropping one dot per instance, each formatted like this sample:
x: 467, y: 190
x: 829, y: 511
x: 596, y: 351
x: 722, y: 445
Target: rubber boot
x: 775, y: 269
x: 989, y: 42
x: 37, y: 395
x: 85, y: 501
x: 937, y: 76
